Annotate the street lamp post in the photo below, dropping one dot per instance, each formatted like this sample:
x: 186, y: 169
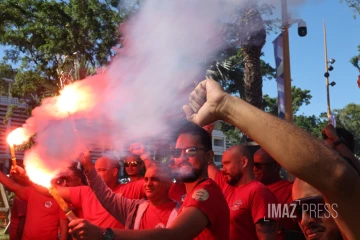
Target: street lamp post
x: 327, y: 75
x: 286, y: 62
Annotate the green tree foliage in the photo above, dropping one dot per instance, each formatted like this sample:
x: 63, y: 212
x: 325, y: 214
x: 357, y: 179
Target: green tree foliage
x: 356, y: 60
x: 349, y: 118
x: 313, y: 124
x: 38, y: 32
x: 299, y: 96
x: 354, y: 4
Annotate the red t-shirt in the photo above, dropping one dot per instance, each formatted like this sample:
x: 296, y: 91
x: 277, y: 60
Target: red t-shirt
x: 18, y: 210
x: 132, y: 190
x: 177, y: 191
x: 83, y: 198
x: 282, y: 190
x: 42, y: 217
x: 248, y: 204
x: 208, y: 198
x: 156, y: 216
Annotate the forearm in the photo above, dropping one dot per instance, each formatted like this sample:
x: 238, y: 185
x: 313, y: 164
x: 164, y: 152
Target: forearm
x: 212, y: 170
x: 159, y: 234
x: 114, y: 203
x: 148, y: 161
x: 40, y: 189
x: 297, y: 151
x: 12, y: 185
x: 64, y: 229
x: 344, y: 151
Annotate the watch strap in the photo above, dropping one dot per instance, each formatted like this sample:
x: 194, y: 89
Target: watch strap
x: 108, y: 234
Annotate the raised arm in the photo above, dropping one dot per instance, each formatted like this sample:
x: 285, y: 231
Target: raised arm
x: 340, y: 145
x: 212, y: 170
x: 18, y: 189
x: 139, y: 149
x: 115, y: 204
x: 296, y: 150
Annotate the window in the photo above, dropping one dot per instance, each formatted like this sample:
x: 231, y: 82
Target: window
x: 219, y: 142
x: 217, y: 158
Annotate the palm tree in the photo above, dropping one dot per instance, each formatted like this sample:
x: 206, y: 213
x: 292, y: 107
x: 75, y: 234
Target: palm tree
x: 239, y: 69
x: 252, y: 40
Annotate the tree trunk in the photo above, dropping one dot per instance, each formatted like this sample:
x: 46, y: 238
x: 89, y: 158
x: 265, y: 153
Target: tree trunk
x: 253, y: 76
x: 252, y: 41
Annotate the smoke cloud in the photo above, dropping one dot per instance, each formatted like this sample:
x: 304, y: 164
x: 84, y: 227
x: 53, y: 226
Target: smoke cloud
x: 139, y: 96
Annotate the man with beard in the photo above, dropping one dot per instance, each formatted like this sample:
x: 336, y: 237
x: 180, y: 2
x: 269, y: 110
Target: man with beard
x: 204, y: 214
x: 247, y: 198
x: 301, y: 154
x: 314, y: 219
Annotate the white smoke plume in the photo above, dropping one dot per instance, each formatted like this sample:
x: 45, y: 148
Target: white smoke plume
x: 141, y: 93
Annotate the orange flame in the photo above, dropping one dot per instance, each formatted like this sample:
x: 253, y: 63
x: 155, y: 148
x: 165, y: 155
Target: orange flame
x: 73, y: 99
x: 37, y: 172
x: 17, y: 136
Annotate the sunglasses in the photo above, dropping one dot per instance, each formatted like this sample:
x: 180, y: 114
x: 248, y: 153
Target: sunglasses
x: 190, y: 151
x: 260, y: 165
x: 315, y: 207
x: 133, y: 164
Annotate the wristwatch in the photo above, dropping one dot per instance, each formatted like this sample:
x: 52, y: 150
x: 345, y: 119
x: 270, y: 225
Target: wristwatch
x: 108, y: 234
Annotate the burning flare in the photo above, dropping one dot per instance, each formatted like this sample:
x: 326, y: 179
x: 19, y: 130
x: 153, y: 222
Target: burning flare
x: 17, y: 136
x: 73, y: 99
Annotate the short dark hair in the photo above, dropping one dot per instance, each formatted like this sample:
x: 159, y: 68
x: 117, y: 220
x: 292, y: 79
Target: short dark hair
x: 347, y: 136
x: 195, y: 130
x: 129, y: 154
x: 78, y: 172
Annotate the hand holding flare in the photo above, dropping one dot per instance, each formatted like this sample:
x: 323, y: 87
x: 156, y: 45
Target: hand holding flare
x: 16, y: 137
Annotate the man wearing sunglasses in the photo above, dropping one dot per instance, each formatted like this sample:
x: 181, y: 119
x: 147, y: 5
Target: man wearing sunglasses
x: 312, y: 213
x: 133, y: 166
x: 247, y: 198
x: 267, y: 171
x: 204, y: 213
x: 301, y: 154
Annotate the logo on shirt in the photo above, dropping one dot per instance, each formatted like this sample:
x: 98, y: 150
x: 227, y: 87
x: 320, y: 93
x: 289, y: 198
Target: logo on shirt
x: 236, y: 205
x: 48, y: 204
x: 200, y: 195
x: 160, y: 225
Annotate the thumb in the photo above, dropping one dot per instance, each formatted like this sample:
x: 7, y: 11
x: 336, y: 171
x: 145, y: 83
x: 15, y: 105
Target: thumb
x: 190, y: 114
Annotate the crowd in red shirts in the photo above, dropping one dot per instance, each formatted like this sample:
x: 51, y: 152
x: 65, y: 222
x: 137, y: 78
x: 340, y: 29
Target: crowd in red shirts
x: 189, y: 197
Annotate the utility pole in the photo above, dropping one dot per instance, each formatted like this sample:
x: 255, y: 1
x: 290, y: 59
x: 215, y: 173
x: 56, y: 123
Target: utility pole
x: 327, y: 75
x: 286, y: 62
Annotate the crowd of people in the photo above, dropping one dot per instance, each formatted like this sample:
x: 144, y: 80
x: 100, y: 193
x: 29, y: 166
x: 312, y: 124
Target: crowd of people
x: 189, y: 197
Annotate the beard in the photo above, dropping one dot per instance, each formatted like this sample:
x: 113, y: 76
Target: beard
x: 189, y: 176
x: 233, y: 180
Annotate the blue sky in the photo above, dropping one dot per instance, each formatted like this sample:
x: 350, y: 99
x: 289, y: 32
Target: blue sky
x: 307, y: 55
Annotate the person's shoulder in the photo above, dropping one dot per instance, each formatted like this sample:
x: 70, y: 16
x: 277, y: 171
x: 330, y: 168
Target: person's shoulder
x: 257, y: 187
x: 207, y: 187
x: 80, y: 189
